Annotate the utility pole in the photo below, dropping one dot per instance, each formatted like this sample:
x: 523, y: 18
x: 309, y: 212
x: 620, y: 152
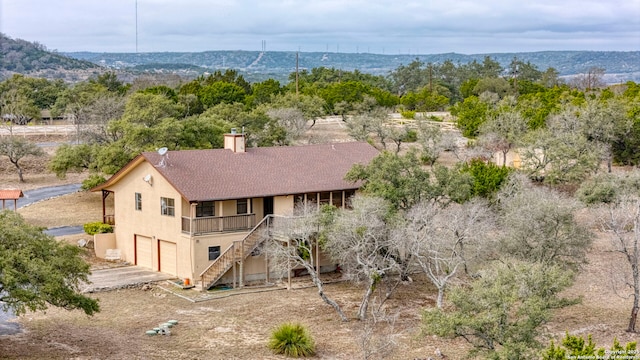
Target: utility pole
x: 136, y: 26
x: 297, y: 70
x: 430, y: 77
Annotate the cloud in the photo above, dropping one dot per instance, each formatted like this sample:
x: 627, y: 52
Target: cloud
x: 433, y: 26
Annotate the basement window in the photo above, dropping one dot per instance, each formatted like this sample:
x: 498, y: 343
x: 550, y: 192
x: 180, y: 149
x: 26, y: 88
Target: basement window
x: 214, y: 252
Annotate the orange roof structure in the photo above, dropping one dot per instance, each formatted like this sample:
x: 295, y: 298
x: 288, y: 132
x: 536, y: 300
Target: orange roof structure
x: 11, y: 194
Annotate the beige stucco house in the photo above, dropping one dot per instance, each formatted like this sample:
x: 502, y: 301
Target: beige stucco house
x: 194, y: 213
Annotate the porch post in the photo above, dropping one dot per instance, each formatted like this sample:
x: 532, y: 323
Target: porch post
x: 104, y: 207
x: 234, y: 274
x: 266, y: 270
x: 241, y: 273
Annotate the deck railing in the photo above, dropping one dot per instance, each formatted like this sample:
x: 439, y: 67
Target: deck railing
x: 213, y: 224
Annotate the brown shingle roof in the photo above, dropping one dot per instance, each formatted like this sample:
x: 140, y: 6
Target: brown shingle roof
x: 11, y: 194
x: 220, y: 174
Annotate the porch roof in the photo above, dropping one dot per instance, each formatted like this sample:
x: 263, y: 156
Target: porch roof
x: 10, y: 194
x: 220, y: 174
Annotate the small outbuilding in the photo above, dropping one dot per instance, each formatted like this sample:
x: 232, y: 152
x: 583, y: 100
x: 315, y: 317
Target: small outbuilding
x: 10, y: 194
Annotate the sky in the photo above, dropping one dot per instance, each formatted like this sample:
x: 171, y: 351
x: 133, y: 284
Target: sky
x: 349, y: 26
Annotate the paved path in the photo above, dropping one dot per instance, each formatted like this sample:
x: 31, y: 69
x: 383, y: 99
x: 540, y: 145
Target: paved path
x: 121, y: 277
x: 64, y: 230
x: 35, y: 195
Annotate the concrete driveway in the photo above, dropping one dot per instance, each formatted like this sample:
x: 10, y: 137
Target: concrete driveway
x: 122, y: 277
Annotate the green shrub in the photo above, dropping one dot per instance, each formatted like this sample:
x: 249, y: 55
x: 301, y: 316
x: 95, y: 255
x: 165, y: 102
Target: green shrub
x: 97, y: 228
x: 408, y: 114
x: 293, y: 340
x: 487, y: 177
x: 410, y: 136
x: 92, y: 181
x: 574, y: 347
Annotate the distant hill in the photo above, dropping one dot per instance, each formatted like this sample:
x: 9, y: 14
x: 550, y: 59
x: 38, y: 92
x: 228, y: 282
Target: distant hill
x: 619, y: 66
x: 24, y: 57
x: 31, y: 58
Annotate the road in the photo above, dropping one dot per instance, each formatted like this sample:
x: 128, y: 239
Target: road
x: 30, y: 197
x: 35, y: 195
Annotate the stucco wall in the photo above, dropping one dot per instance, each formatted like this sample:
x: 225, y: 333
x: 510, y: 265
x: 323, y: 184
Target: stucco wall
x: 148, y: 222
x: 102, y: 242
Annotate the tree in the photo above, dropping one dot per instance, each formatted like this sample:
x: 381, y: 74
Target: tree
x: 562, y: 152
x: 621, y: 220
x: 431, y: 139
x: 221, y: 92
x: 400, y: 179
x: 501, y: 311
x: 304, y: 234
x: 470, y: 114
x: 16, y: 148
x: 591, y: 80
x: 38, y: 271
x: 445, y: 239
x: 290, y: 119
x: 360, y: 241
x: 16, y: 108
x: 539, y: 225
x: 604, y: 123
x: 503, y: 132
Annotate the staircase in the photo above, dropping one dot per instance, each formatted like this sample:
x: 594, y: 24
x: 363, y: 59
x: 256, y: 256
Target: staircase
x: 237, y: 252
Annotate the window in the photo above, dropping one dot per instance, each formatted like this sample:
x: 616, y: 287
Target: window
x: 167, y: 206
x: 205, y: 208
x: 138, y: 201
x: 241, y: 206
x: 214, y: 252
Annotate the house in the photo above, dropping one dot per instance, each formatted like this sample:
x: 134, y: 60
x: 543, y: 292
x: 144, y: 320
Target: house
x: 198, y: 214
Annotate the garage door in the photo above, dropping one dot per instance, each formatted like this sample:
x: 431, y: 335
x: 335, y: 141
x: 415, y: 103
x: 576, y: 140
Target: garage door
x: 168, y: 257
x: 143, y: 251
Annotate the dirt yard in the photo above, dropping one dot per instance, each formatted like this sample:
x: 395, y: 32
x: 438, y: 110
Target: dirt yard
x: 238, y: 326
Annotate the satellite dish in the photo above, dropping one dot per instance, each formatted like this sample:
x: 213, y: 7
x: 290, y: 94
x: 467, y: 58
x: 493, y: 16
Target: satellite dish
x: 147, y: 178
x: 162, y: 151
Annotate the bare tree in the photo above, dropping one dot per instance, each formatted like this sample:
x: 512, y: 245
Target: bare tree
x: 591, y: 80
x: 291, y: 119
x: 360, y: 241
x: 443, y: 240
x: 377, y: 338
x: 103, y: 109
x: 298, y: 245
x: 539, y: 225
x: 621, y: 220
x: 503, y: 132
x: 431, y: 139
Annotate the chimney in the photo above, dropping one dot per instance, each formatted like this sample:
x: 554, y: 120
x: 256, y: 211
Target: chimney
x: 234, y: 141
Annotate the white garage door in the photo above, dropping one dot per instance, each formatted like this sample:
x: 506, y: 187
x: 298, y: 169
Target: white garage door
x: 143, y: 251
x: 168, y: 257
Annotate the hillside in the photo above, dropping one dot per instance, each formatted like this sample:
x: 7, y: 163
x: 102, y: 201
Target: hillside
x: 32, y: 58
x: 24, y: 57
x: 619, y: 66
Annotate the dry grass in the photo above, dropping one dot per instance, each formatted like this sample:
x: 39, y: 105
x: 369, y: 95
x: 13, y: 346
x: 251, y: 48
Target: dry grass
x: 72, y: 210
x: 238, y: 327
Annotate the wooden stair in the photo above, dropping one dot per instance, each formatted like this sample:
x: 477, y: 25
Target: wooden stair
x: 237, y: 252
